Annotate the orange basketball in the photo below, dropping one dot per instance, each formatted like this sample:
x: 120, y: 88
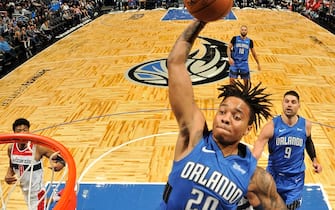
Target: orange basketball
x: 208, y: 10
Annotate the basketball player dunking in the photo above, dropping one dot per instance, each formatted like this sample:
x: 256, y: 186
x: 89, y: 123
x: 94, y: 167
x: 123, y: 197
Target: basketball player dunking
x: 212, y: 169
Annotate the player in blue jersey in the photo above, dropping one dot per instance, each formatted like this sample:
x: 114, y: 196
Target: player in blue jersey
x: 212, y: 169
x: 287, y: 136
x: 238, y: 55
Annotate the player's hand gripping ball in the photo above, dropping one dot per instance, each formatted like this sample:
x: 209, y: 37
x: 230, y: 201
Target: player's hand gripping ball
x: 208, y: 10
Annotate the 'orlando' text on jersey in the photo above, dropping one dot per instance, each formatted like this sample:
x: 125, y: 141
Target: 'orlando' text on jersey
x: 289, y: 140
x: 205, y: 179
x: 216, y: 181
x: 286, y: 146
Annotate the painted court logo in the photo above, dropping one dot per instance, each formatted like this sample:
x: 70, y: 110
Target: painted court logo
x: 206, y: 65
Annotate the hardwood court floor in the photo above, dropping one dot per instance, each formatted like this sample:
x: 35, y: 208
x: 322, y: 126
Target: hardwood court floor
x: 76, y: 92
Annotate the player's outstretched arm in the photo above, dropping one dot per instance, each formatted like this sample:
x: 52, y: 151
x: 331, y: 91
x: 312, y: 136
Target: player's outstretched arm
x: 189, y: 117
x: 180, y: 85
x: 57, y: 162
x: 263, y: 138
x: 10, y: 177
x: 263, y: 185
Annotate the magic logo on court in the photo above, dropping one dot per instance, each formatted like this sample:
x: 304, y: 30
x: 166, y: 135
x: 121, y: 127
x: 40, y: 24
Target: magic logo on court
x: 204, y: 66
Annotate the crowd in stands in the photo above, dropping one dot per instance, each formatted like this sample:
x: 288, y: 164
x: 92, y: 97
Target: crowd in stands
x: 320, y: 11
x: 123, y: 5
x: 28, y: 26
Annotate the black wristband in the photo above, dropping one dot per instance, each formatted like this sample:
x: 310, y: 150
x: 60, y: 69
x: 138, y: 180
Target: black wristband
x: 59, y: 159
x: 310, y: 148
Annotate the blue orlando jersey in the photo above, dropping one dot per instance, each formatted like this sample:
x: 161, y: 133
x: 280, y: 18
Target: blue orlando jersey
x: 286, y: 147
x: 241, y: 48
x: 205, y: 179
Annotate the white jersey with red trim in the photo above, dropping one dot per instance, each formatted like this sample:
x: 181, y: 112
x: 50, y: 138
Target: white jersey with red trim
x: 22, y: 161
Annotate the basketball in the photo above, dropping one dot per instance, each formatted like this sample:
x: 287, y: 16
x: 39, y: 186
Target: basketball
x: 208, y: 10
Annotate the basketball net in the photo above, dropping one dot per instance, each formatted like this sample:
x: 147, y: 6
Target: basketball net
x: 68, y: 199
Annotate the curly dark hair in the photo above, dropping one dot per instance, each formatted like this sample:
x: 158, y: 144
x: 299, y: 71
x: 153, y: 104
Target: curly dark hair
x: 257, y: 100
x: 21, y: 121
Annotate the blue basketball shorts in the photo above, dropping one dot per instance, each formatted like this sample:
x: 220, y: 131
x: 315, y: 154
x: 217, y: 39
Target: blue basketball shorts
x: 289, y: 187
x: 240, y: 68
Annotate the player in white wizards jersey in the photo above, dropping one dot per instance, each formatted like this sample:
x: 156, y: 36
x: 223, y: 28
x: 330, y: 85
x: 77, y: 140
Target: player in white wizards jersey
x: 212, y: 169
x: 25, y: 158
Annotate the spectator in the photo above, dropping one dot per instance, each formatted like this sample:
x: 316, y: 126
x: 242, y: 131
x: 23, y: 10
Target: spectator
x: 45, y: 30
x: 67, y: 17
x: 33, y: 36
x: 297, y: 6
x: 3, y: 27
x: 7, y: 49
x: 26, y: 42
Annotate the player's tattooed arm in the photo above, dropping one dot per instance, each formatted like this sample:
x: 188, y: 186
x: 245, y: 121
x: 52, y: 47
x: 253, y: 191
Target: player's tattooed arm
x: 191, y: 33
x: 188, y: 115
x: 263, y: 185
x: 183, y: 45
